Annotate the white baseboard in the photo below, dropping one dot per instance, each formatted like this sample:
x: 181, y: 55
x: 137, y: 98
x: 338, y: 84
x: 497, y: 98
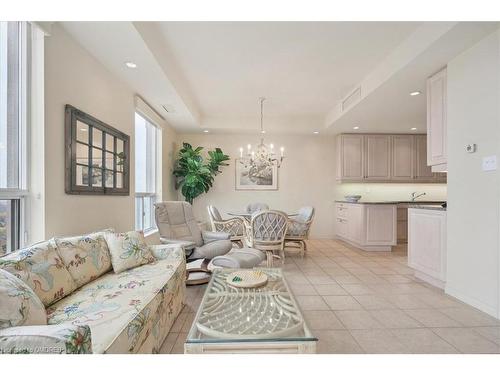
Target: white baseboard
x: 488, y: 309
x: 431, y: 280
x: 364, y: 247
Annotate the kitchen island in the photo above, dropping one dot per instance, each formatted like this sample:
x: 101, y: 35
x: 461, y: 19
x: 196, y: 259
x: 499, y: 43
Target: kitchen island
x: 369, y: 226
x: 374, y: 225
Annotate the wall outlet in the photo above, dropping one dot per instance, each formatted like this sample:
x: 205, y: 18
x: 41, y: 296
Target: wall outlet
x: 490, y: 163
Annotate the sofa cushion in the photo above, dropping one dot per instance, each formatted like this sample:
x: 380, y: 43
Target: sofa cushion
x: 86, y: 257
x: 123, y: 309
x: 48, y: 339
x: 42, y: 269
x: 128, y: 250
x: 19, y: 305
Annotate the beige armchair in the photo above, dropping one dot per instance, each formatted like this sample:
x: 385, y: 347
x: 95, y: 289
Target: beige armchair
x: 266, y: 232
x: 235, y: 226
x: 298, y: 229
x: 176, y: 224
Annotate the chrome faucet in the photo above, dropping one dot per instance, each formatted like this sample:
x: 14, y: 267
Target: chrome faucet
x: 415, y: 195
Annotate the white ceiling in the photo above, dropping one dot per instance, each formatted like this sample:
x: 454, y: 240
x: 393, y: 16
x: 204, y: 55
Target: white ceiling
x: 389, y: 107
x: 211, y: 74
x: 302, y: 68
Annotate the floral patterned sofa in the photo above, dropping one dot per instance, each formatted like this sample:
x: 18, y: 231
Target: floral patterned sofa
x: 89, y: 308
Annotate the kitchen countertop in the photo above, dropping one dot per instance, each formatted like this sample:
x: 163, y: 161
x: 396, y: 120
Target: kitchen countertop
x: 427, y: 207
x: 417, y: 204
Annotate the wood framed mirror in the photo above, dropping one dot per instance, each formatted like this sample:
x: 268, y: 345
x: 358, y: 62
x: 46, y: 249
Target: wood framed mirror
x: 97, y: 156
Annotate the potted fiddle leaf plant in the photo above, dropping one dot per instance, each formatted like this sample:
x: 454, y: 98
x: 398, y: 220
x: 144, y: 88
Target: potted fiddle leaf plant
x: 195, y: 175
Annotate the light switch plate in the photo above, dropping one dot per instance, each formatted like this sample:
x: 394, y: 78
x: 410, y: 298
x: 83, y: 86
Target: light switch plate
x: 490, y: 163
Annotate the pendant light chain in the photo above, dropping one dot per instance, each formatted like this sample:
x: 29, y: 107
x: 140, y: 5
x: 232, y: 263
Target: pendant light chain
x: 262, y: 115
x: 263, y: 156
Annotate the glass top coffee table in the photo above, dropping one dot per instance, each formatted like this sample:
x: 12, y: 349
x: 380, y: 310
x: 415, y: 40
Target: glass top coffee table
x: 265, y: 319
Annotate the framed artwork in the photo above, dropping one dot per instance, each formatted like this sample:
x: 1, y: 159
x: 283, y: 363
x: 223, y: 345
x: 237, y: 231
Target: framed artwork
x: 97, y: 156
x: 256, y: 177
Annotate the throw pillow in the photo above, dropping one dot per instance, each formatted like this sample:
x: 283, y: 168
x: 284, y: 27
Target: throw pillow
x: 128, y: 250
x: 19, y: 305
x: 86, y: 257
x: 42, y: 269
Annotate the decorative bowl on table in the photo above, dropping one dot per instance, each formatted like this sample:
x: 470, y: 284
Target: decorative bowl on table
x: 247, y: 279
x: 352, y: 198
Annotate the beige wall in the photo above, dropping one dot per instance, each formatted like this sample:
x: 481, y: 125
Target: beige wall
x: 474, y: 195
x: 305, y: 178
x: 72, y: 76
x: 169, y: 148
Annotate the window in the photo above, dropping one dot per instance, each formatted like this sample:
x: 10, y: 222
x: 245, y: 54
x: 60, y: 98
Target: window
x: 13, y: 132
x: 147, y: 137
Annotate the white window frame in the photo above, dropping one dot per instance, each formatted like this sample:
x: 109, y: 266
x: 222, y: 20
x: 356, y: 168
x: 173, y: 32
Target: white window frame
x: 21, y: 193
x: 154, y: 192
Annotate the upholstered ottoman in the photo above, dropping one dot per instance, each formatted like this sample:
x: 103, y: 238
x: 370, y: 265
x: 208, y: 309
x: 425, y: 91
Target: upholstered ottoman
x: 245, y: 257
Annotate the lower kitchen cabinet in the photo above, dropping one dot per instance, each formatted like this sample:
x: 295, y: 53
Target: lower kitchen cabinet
x: 427, y: 244
x: 402, y: 225
x: 370, y: 227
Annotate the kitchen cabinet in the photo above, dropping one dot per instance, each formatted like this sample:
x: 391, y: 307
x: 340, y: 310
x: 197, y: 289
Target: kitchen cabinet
x: 436, y: 121
x: 351, y: 166
x: 402, y: 157
x: 384, y: 158
x: 422, y: 170
x: 370, y: 227
x: 377, y: 157
x: 354, y: 222
x: 402, y: 224
x: 427, y: 244
x: 342, y: 227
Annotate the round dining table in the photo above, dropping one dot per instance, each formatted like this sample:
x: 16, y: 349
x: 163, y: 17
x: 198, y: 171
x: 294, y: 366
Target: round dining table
x: 248, y: 215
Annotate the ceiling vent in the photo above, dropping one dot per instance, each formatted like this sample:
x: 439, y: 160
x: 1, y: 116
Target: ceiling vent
x: 168, y: 108
x: 352, y: 98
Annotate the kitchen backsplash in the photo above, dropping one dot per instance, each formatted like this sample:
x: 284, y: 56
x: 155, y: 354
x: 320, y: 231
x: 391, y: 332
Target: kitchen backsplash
x: 375, y: 191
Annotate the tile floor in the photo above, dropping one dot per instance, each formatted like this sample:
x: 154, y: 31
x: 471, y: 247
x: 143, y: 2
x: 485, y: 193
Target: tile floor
x: 359, y: 302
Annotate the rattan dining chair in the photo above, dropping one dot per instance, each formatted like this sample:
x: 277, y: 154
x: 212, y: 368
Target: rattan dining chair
x: 235, y: 226
x: 298, y: 229
x: 266, y: 232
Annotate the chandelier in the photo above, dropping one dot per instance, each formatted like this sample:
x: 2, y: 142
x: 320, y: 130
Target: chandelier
x: 262, y: 156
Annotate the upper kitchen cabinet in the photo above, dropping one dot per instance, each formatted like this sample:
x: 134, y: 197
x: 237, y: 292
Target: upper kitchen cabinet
x: 384, y: 158
x: 402, y: 157
x: 377, y: 157
x: 436, y: 121
x: 422, y: 170
x: 351, y: 161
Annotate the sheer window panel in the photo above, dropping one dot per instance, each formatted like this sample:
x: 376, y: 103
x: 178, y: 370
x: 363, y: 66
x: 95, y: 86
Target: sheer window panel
x: 146, y: 160
x: 14, y: 64
x: 12, y: 105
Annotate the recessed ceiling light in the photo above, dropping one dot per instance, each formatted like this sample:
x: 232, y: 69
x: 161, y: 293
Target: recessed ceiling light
x: 262, y: 132
x: 205, y: 131
x: 131, y: 65
x: 356, y: 127
x: 415, y: 93
x: 315, y: 132
x: 413, y: 129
